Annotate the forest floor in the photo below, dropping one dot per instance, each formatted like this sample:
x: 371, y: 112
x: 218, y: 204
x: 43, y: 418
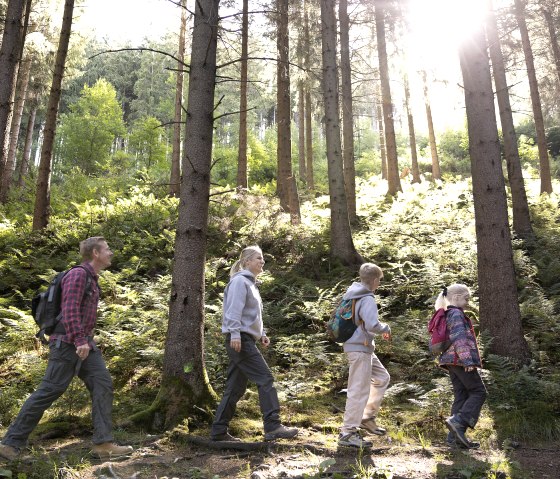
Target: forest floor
x: 312, y: 454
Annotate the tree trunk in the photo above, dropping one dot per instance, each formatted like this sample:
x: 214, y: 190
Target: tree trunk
x: 546, y: 181
x: 242, y: 180
x: 381, y: 130
x: 286, y: 183
x: 347, y: 110
x: 301, y: 133
x: 411, y: 133
x: 393, y: 178
x: 342, y: 246
x: 185, y: 381
x: 10, y: 56
x: 521, y: 218
x: 308, y: 106
x: 10, y: 166
x: 43, y: 194
x: 24, y: 164
x: 553, y: 40
x: 175, y: 179
x: 499, y: 308
x: 436, y: 172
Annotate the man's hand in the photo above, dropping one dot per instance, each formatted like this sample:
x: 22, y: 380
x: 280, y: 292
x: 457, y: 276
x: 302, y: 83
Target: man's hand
x: 83, y: 351
x: 265, y: 341
x: 235, y: 344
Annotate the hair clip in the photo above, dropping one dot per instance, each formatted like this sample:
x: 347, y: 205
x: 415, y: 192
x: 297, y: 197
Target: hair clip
x: 444, y: 292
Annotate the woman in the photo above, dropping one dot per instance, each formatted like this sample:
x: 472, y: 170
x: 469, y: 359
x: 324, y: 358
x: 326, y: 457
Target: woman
x: 243, y: 326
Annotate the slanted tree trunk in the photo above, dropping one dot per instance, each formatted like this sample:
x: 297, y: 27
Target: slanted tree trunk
x: 287, y: 188
x: 10, y: 166
x: 544, y: 164
x: 24, y: 164
x: 521, y: 218
x: 242, y: 180
x: 553, y: 40
x: 411, y: 132
x: 185, y: 382
x: 308, y: 105
x: 175, y: 178
x: 436, y: 171
x: 381, y: 131
x: 393, y: 178
x: 500, y: 316
x: 10, y: 56
x: 41, y: 212
x: 342, y: 246
x: 347, y: 110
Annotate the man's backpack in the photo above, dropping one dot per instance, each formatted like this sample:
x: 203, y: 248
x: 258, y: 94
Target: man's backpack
x: 437, y: 327
x: 46, y: 307
x: 342, y: 325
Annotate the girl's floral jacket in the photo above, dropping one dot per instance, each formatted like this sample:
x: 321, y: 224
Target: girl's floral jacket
x: 463, y: 350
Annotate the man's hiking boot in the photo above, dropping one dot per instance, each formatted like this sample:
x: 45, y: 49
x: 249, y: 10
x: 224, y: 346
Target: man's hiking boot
x: 226, y: 436
x: 109, y: 450
x: 455, y: 425
x: 9, y: 453
x: 371, y: 426
x: 353, y: 439
x: 281, y: 432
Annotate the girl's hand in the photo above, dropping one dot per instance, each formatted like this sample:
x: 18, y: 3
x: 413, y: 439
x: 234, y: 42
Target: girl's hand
x: 470, y: 369
x: 265, y: 341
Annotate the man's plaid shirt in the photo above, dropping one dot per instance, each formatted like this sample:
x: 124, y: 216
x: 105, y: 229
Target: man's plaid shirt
x: 79, y: 312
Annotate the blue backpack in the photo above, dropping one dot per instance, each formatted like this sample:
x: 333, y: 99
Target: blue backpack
x: 342, y: 325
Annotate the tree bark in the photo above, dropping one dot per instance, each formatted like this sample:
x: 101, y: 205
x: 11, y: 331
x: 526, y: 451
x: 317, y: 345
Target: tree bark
x: 308, y: 106
x: 301, y: 133
x: 544, y: 164
x: 10, y: 56
x: 521, y: 217
x: 287, y: 189
x: 381, y: 131
x: 43, y: 195
x: 436, y: 171
x: 411, y: 133
x: 553, y: 40
x: 242, y: 179
x: 393, y: 178
x: 342, y: 246
x: 10, y: 166
x: 499, y: 308
x: 347, y: 111
x: 185, y: 381
x: 24, y: 164
x: 175, y: 179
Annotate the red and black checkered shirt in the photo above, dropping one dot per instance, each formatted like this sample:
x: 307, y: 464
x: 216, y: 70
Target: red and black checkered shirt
x: 79, y: 311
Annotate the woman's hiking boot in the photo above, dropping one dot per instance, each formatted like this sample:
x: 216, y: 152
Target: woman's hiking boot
x: 281, y: 432
x: 353, y: 439
x: 371, y: 426
x: 226, y: 436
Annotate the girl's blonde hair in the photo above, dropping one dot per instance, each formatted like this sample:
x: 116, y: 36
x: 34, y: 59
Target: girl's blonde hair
x: 245, y: 255
x: 451, y: 291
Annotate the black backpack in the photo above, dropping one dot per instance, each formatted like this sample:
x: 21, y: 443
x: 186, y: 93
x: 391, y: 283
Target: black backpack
x: 46, y: 306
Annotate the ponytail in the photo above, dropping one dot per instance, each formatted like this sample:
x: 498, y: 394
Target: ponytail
x: 453, y: 290
x: 245, y: 255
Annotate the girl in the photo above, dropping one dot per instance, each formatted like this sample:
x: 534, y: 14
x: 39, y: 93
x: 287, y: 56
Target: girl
x: 462, y: 360
x: 243, y: 326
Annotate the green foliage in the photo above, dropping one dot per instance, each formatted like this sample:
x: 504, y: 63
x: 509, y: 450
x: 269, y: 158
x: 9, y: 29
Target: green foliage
x: 148, y: 143
x: 89, y: 130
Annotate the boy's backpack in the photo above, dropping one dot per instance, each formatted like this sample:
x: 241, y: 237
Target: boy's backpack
x: 342, y: 325
x: 46, y: 306
x: 437, y: 327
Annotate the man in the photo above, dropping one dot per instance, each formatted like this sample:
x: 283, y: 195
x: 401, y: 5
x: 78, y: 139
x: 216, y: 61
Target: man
x: 72, y: 351
x: 367, y: 378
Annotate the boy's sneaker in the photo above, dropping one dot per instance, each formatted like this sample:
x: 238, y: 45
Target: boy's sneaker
x: 371, y: 426
x: 109, y: 450
x: 353, y: 439
x: 226, y: 436
x: 9, y: 453
x: 281, y: 432
x: 459, y: 429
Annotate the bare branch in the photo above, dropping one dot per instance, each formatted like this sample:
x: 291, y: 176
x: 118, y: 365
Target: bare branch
x: 232, y: 113
x: 141, y: 49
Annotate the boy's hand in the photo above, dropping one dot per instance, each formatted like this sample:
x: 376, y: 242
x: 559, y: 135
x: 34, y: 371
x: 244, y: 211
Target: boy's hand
x: 235, y: 344
x: 265, y: 341
x: 386, y: 336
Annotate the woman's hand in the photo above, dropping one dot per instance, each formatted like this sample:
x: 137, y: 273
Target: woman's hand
x: 265, y: 341
x: 235, y: 344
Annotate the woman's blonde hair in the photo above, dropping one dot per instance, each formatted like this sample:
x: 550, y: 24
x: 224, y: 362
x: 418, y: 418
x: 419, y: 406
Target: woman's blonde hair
x: 245, y: 255
x: 451, y: 291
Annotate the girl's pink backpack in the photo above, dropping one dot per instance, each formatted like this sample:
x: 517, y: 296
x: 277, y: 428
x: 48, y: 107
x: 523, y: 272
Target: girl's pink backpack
x: 437, y: 327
